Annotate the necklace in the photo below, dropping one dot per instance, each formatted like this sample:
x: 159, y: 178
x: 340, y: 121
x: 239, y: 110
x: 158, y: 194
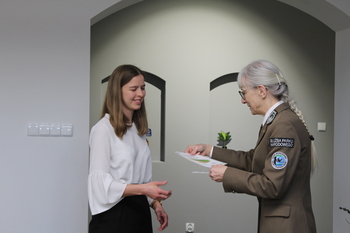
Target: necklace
x: 128, y: 124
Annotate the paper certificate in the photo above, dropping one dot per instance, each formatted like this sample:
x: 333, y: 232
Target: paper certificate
x: 204, y: 161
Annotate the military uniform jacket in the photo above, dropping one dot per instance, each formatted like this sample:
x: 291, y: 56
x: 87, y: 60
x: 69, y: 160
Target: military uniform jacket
x: 277, y: 172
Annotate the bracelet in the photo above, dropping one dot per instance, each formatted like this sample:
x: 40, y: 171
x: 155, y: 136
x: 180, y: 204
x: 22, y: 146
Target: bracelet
x: 154, y: 201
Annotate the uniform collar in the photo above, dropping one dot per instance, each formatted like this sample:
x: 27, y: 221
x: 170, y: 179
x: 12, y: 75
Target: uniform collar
x: 270, y: 112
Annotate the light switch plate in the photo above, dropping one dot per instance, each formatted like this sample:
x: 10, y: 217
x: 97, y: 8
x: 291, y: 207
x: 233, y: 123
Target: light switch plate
x: 44, y: 130
x: 55, y: 130
x: 67, y: 130
x: 33, y: 129
x: 321, y: 126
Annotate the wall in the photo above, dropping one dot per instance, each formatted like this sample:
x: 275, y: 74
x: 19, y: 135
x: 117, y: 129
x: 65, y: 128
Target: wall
x: 341, y: 219
x: 44, y: 78
x: 190, y: 43
x: 44, y: 63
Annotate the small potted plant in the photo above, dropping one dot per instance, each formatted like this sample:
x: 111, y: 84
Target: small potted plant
x: 224, y: 139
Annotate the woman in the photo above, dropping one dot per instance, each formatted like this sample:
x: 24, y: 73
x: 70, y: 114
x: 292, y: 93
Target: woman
x: 120, y: 186
x: 277, y: 171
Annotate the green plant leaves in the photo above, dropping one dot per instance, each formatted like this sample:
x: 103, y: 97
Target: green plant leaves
x: 224, y: 136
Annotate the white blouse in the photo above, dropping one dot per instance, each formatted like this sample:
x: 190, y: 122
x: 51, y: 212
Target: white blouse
x: 114, y: 163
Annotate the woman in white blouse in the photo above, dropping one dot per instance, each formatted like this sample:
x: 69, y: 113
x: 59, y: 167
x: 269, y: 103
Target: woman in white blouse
x: 120, y: 186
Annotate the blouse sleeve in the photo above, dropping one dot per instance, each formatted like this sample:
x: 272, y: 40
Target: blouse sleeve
x: 104, y: 191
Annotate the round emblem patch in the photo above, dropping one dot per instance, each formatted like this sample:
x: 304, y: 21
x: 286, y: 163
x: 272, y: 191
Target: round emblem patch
x: 279, y: 160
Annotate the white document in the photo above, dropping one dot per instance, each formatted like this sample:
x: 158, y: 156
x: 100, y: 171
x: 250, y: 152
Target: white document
x: 204, y: 161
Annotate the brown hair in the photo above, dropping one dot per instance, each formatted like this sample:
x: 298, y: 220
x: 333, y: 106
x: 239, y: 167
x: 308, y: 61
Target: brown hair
x: 114, y: 101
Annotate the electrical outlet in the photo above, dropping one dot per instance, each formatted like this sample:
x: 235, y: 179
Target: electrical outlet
x: 189, y: 227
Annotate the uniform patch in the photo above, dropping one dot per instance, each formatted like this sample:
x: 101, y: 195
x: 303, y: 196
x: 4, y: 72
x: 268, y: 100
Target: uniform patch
x: 282, y: 142
x: 271, y: 117
x: 279, y: 160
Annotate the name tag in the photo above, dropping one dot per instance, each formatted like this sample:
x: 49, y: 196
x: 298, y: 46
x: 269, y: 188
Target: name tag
x: 282, y: 142
x: 149, y: 133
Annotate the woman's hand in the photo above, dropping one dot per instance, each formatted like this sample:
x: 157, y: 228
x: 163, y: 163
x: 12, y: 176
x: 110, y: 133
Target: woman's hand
x: 200, y: 149
x: 162, y: 216
x: 153, y: 190
x: 216, y: 172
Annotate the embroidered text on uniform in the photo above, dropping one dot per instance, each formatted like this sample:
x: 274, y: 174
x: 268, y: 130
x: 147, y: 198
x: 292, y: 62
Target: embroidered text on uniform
x: 282, y: 142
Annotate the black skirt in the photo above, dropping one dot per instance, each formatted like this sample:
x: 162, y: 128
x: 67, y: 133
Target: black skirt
x: 130, y: 215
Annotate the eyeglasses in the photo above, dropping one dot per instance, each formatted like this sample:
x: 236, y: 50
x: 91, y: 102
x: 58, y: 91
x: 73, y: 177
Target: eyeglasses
x: 243, y: 92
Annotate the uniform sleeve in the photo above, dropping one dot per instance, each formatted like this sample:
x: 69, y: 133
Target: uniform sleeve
x: 104, y: 191
x: 238, y: 159
x: 280, y: 163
